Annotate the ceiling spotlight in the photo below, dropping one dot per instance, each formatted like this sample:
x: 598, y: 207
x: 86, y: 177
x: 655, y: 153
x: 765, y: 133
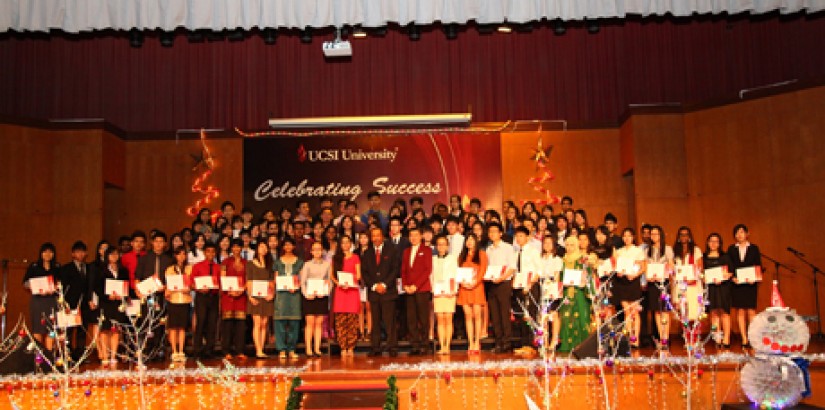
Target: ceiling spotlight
x: 451, y: 31
x: 359, y: 32
x: 592, y: 26
x: 414, y: 32
x: 558, y: 27
x: 195, y: 36
x: 484, y: 29
x: 379, y: 31
x: 306, y: 35
x: 213, y: 35
x: 269, y: 35
x: 135, y: 38
x: 236, y: 35
x: 504, y: 28
x: 524, y: 27
x: 167, y: 38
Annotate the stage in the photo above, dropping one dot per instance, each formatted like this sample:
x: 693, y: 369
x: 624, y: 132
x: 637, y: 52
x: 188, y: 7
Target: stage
x: 486, y: 381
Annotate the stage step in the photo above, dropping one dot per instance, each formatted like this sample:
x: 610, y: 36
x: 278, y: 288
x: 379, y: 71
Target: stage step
x: 350, y: 396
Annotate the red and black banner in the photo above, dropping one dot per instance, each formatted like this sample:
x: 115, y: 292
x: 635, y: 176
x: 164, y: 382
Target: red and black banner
x: 278, y: 171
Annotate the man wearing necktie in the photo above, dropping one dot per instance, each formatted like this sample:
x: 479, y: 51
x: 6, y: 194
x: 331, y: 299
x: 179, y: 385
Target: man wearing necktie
x: 75, y: 281
x: 380, y: 269
x: 154, y: 264
x: 206, y: 304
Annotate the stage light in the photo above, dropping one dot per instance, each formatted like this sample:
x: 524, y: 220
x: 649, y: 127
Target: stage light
x: 463, y: 119
x: 358, y: 32
x: 269, y: 35
x: 135, y: 38
x: 213, y: 36
x: 195, y: 36
x: 306, y: 35
x: 379, y: 31
x: 485, y: 29
x: 414, y: 32
x: 236, y: 35
x: 167, y: 39
x: 451, y: 31
x: 558, y: 27
x: 504, y: 28
x: 524, y: 27
x: 592, y: 26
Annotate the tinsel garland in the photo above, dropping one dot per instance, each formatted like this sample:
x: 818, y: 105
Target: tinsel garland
x: 391, y: 401
x: 295, y: 397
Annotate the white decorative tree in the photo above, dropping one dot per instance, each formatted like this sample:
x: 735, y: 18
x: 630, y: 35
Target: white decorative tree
x: 144, y: 317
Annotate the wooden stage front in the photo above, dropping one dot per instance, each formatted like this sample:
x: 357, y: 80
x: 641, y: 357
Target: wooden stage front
x: 486, y: 381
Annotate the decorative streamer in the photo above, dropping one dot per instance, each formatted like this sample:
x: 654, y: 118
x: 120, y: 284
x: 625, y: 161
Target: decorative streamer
x: 206, y: 162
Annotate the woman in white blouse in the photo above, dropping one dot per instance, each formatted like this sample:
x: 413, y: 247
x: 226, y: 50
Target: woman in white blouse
x: 445, y: 267
x: 686, y: 255
x: 551, y: 267
x: 627, y: 286
x: 658, y: 289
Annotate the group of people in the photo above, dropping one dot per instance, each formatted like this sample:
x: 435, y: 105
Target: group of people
x: 383, y: 274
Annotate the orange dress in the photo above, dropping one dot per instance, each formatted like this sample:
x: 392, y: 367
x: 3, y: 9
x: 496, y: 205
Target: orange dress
x: 474, y: 296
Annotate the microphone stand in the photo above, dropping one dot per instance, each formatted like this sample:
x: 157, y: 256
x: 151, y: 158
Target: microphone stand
x: 816, y: 270
x: 777, y: 265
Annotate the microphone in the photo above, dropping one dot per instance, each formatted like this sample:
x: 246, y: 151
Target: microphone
x: 796, y: 252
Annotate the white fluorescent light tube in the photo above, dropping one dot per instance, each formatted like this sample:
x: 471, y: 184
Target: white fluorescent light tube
x: 371, y: 121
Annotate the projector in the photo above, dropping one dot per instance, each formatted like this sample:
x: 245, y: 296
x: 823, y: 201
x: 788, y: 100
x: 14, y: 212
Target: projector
x: 337, y: 48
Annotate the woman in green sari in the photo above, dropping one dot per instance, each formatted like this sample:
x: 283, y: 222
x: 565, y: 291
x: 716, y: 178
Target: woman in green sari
x: 575, y: 308
x: 288, y: 301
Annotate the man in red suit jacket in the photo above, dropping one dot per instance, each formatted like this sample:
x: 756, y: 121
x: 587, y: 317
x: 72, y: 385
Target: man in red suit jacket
x: 416, y: 267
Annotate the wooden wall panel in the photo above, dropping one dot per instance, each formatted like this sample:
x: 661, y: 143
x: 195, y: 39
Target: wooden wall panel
x: 586, y: 164
x: 114, y: 160
x: 659, y: 171
x: 762, y: 163
x: 159, y: 177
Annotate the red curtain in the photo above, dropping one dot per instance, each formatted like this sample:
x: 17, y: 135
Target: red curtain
x: 578, y: 76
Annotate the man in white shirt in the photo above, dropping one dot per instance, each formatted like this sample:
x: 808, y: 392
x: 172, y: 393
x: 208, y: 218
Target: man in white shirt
x: 455, y: 238
x: 500, y: 253
x: 528, y: 260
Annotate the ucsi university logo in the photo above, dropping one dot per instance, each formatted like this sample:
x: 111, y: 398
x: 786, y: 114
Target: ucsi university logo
x: 346, y: 154
x: 302, y: 153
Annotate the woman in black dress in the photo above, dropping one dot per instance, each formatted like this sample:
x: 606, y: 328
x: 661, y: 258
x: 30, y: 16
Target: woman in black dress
x: 111, y: 305
x: 93, y: 297
x: 744, y: 254
x: 719, y: 293
x: 43, y: 305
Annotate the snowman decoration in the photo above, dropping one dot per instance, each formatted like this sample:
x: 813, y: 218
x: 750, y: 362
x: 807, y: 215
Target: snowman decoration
x: 777, y: 377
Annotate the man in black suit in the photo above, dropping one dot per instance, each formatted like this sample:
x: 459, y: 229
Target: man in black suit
x: 380, y: 268
x: 401, y: 243
x: 74, y: 278
x: 154, y: 264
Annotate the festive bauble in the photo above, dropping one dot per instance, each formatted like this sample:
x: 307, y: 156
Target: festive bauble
x: 772, y: 381
x: 779, y: 331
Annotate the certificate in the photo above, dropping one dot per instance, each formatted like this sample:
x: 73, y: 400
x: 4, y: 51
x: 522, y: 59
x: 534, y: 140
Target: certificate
x: 443, y: 287
x: 318, y: 287
x: 399, y: 286
x: 149, y: 286
x: 605, y: 268
x: 205, y: 283
x: 230, y: 284
x: 625, y: 265
x: 260, y: 288
x: 685, y: 273
x: 176, y: 282
x: 465, y: 275
x: 553, y: 268
x: 656, y: 272
x: 521, y: 280
x: 493, y: 272
x: 133, y: 308
x: 346, y: 279
x: 573, y: 277
x: 286, y: 283
x: 715, y: 275
x: 42, y: 285
x: 551, y: 290
x: 750, y: 274
x: 116, y: 288
x: 71, y: 319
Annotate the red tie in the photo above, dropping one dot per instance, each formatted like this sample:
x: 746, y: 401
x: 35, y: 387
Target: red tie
x: 377, y: 256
